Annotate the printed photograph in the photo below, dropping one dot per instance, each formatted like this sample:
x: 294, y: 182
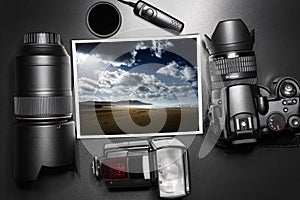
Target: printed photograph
x: 137, y: 87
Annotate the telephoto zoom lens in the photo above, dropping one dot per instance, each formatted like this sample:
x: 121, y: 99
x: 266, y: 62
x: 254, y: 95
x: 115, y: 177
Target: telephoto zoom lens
x: 44, y: 131
x: 232, y: 60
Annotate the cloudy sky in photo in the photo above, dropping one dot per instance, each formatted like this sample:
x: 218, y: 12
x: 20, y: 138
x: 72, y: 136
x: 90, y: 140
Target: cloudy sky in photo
x: 160, y: 72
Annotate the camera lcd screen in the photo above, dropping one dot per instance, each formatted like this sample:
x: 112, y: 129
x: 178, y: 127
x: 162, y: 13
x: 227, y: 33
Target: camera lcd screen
x: 137, y: 87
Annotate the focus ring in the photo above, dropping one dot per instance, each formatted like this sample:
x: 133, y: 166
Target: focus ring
x: 40, y: 107
x: 232, y: 65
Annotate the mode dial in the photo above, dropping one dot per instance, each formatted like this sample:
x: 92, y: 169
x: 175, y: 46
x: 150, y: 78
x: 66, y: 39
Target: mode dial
x: 276, y: 122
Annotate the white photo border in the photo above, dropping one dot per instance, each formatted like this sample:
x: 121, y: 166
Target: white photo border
x: 76, y: 95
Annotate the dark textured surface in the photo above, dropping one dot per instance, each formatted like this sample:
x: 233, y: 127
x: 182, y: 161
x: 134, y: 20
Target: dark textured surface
x: 260, y: 174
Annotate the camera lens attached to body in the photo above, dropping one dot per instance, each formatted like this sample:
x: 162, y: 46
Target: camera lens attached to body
x: 44, y: 131
x: 232, y: 60
x: 232, y: 66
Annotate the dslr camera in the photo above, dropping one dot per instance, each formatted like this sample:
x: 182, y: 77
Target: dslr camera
x: 241, y: 111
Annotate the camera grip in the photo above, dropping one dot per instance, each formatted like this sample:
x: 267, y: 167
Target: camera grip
x: 262, y: 105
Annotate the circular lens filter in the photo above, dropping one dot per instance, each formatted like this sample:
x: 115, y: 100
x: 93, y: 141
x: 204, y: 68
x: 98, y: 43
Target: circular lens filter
x: 103, y: 19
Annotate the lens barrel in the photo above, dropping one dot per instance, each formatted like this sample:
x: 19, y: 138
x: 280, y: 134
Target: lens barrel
x: 232, y: 60
x: 44, y: 131
x: 43, y: 79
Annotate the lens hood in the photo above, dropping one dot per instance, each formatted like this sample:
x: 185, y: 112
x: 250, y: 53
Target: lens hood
x: 230, y: 35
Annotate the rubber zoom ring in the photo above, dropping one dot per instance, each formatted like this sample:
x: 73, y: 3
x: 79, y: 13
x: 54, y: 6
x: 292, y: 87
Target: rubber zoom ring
x: 224, y: 66
x: 43, y: 106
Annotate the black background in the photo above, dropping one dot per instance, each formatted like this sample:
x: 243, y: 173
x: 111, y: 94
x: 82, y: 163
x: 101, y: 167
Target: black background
x: 260, y: 174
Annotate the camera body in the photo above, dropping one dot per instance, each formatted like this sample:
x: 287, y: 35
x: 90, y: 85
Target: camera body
x: 250, y: 111
x: 242, y: 111
x: 281, y: 110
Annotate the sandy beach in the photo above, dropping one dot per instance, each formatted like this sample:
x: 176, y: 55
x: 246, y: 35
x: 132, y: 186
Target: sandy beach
x: 108, y: 120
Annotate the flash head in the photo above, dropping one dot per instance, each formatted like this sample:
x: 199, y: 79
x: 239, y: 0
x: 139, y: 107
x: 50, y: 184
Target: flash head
x: 172, y: 166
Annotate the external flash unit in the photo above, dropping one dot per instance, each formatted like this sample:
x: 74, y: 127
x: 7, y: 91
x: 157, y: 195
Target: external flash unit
x: 171, y: 167
x: 162, y: 162
x: 124, y: 165
x: 155, y: 16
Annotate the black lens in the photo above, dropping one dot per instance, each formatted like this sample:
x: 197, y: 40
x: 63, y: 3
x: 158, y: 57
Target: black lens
x: 44, y: 132
x: 232, y: 60
x: 43, y: 78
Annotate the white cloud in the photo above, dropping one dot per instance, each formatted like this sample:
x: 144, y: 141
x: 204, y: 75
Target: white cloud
x: 87, y: 58
x: 173, y: 69
x: 159, y: 46
x: 170, y: 70
x: 182, y: 91
x: 141, y: 45
x: 125, y: 85
x: 86, y: 85
x: 195, y: 84
x: 94, y: 59
x: 189, y: 73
